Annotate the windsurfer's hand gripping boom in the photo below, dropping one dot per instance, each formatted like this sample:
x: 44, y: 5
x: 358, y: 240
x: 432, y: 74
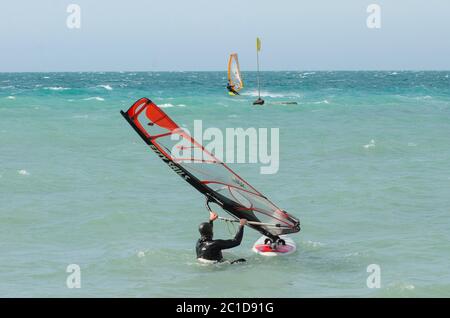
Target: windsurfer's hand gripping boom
x: 214, y: 216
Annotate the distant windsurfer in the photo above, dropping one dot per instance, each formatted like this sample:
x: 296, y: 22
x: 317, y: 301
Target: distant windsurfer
x: 211, y: 250
x: 231, y: 88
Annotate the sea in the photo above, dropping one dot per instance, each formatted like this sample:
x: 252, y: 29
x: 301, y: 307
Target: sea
x: 87, y: 210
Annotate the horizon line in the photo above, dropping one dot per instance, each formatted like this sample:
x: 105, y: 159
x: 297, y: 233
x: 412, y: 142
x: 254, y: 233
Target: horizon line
x: 225, y: 71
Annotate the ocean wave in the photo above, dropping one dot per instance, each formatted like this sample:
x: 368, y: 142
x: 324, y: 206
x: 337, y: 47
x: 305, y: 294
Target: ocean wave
x: 107, y: 87
x: 424, y: 97
x: 168, y: 105
x: 401, y: 286
x: 95, y: 98
x: 57, y: 88
x: 370, y: 144
x: 11, y: 97
x: 352, y: 254
x: 306, y: 74
x: 322, y: 102
x: 23, y: 172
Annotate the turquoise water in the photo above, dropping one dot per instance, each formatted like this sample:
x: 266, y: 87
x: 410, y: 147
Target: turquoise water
x: 364, y: 164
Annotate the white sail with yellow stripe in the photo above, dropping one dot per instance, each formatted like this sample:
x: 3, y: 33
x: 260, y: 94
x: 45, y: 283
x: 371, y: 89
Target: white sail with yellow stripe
x: 234, y: 73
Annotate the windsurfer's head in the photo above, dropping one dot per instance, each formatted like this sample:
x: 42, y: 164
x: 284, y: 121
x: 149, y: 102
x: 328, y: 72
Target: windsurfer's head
x: 206, y: 230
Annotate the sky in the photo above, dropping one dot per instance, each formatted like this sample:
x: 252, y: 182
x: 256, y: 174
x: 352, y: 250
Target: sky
x: 198, y: 35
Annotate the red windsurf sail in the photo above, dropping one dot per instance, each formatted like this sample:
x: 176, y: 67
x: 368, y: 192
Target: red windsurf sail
x: 205, y: 172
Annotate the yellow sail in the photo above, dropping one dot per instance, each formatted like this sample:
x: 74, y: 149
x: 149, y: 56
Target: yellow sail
x: 234, y: 72
x: 258, y: 44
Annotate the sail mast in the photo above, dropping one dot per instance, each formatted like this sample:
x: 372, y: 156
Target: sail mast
x: 257, y: 71
x: 259, y: 101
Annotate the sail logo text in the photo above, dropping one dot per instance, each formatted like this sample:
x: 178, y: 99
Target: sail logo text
x: 236, y: 145
x: 172, y: 165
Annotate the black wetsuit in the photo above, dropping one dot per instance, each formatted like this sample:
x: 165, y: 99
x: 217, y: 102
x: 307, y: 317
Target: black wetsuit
x: 231, y: 89
x: 210, y: 249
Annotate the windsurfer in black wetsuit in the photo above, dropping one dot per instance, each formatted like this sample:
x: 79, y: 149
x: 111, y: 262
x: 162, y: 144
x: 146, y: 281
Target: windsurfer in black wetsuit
x: 231, y: 88
x: 211, y: 250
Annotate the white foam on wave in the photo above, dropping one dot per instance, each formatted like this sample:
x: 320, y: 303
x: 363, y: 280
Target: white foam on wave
x: 166, y: 105
x: 412, y: 144
x: 370, y: 144
x: 352, y: 254
x: 95, y: 98
x: 408, y: 287
x: 11, y: 97
x: 141, y: 254
x: 322, y: 102
x: 107, y: 87
x: 23, y: 172
x: 306, y: 74
x: 402, y: 286
x: 57, y: 88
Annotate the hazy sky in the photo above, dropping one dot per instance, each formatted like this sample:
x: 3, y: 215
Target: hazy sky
x: 199, y: 34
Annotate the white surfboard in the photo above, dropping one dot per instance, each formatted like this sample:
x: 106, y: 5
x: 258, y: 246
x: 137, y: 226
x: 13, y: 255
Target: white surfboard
x: 279, y: 250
